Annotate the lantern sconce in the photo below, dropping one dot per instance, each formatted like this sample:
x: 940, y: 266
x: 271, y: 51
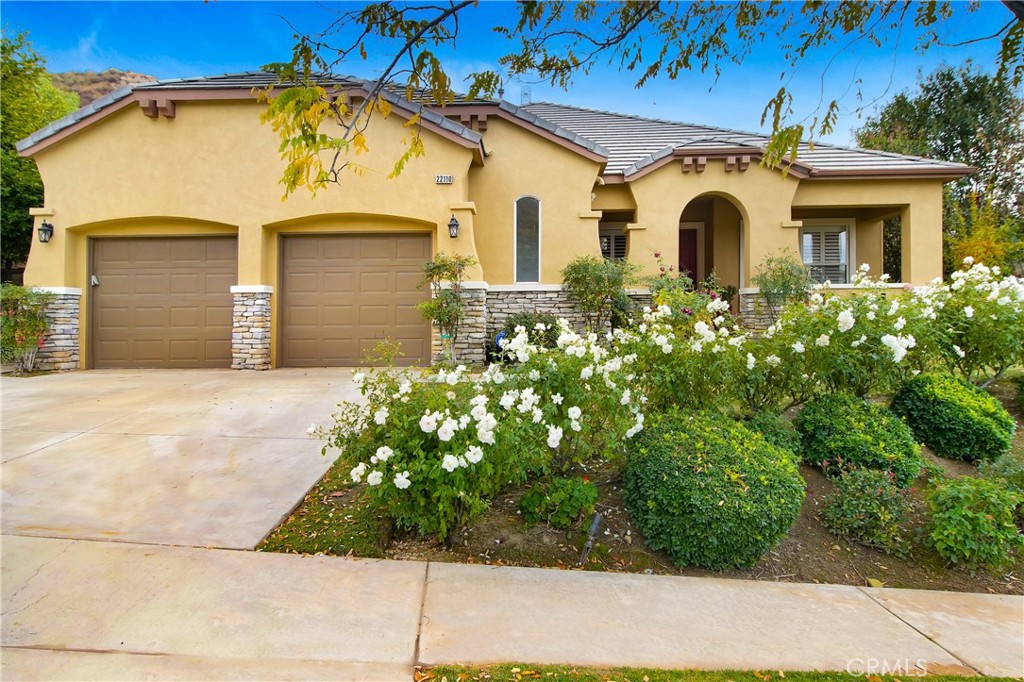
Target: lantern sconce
x: 45, y: 232
x: 453, y: 227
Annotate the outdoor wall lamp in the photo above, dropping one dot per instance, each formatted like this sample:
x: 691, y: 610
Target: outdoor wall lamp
x: 453, y: 227
x: 45, y: 232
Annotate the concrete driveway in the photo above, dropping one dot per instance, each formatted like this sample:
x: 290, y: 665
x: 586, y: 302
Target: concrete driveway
x: 210, y: 458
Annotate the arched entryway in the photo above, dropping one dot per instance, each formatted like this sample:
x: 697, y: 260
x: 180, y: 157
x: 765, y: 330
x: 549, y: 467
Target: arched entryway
x: 711, y: 240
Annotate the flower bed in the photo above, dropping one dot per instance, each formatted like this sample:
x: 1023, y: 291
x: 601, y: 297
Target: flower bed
x: 445, y: 455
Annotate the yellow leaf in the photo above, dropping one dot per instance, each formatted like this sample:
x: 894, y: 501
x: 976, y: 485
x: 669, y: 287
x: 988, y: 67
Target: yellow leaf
x: 384, y: 107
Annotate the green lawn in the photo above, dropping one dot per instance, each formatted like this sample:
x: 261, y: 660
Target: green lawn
x: 521, y: 672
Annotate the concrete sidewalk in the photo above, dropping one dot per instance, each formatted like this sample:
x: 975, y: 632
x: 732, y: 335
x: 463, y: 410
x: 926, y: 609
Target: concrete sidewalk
x: 75, y: 609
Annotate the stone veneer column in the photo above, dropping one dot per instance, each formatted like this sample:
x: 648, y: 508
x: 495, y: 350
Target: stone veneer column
x: 250, y: 329
x: 754, y: 310
x: 470, y: 347
x: 60, y: 351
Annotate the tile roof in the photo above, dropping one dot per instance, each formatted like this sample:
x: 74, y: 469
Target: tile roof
x: 629, y: 143
x: 635, y: 142
x: 247, y: 81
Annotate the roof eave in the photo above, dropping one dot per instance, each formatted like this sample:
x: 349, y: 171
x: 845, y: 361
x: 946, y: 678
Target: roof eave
x: 934, y: 173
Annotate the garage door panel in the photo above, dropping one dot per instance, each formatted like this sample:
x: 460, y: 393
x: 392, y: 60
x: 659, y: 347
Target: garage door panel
x: 162, y: 302
x: 413, y: 248
x: 375, y: 315
x: 358, y: 294
x: 376, y: 283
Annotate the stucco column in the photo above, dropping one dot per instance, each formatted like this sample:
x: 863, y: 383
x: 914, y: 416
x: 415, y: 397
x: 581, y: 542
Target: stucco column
x: 465, y: 243
x: 869, y: 247
x: 921, y: 237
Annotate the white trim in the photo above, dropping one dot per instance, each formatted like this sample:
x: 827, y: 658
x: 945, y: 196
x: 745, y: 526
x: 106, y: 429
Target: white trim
x: 515, y: 238
x: 848, y: 287
x: 467, y: 284
x: 700, y: 275
x: 67, y: 291
x: 252, y: 289
x: 526, y: 286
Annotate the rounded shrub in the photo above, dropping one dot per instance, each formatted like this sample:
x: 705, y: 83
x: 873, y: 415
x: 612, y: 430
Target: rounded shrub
x: 710, y: 492
x: 842, y: 433
x: 954, y: 418
x: 867, y: 507
x: 776, y: 429
x: 972, y: 522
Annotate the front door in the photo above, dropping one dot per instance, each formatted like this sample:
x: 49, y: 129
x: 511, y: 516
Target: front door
x: 691, y: 251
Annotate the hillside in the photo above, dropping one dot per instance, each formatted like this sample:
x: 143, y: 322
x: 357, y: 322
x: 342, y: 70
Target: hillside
x: 91, y: 86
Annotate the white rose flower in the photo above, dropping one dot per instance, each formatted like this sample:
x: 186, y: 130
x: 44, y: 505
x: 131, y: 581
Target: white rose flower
x: 478, y: 412
x: 870, y: 315
x: 478, y: 400
x: 846, y: 321
x: 474, y: 454
x: 554, y: 436
x: 959, y: 351
x: 798, y: 347
x: 384, y: 452
x: 358, y: 378
x: 538, y: 416
x: 900, y: 324
x: 358, y: 472
x: 428, y: 422
x: 626, y: 395
x: 574, y: 412
x: 402, y: 480
x: 381, y: 416
x: 485, y: 435
x: 575, y: 425
x: 822, y: 340
x: 969, y: 260
x: 312, y: 430
x: 534, y: 375
x: 751, y: 361
x: 773, y: 360
x: 448, y: 429
x: 449, y: 463
x: 557, y: 399
x: 404, y: 387
x: 375, y: 478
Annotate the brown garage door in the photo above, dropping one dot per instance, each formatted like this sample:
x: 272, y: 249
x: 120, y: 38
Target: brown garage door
x: 162, y: 302
x: 341, y: 294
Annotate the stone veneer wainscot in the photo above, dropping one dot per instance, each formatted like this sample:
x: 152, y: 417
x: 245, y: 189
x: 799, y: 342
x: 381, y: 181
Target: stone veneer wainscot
x: 59, y: 351
x: 250, y: 329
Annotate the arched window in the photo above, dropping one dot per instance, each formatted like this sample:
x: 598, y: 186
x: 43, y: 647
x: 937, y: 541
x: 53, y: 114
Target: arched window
x: 527, y: 246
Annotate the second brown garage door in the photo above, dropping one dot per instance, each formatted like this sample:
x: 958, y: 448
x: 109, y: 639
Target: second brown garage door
x: 162, y: 302
x: 341, y: 294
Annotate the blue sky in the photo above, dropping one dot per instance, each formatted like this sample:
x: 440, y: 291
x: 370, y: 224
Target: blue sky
x: 178, y: 39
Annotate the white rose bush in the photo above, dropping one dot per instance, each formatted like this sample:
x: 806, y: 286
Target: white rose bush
x: 432, y: 447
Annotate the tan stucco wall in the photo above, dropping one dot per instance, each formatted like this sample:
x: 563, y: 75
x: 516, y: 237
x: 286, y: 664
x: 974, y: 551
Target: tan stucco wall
x: 214, y: 169
x: 524, y: 164
x: 761, y: 196
x: 918, y: 201
x: 726, y: 259
x: 215, y: 162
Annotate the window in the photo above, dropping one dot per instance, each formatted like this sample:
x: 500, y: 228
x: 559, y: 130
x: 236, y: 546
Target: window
x: 527, y: 247
x: 613, y: 244
x: 826, y: 250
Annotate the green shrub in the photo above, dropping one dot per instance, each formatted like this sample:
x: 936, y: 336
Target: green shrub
x: 710, y: 492
x: 776, y: 429
x: 782, y: 278
x: 560, y: 502
x: 867, y: 507
x: 529, y: 321
x: 23, y: 325
x: 597, y: 287
x: 972, y: 522
x: 954, y: 418
x: 841, y: 433
x: 1020, y: 394
x: 1007, y: 471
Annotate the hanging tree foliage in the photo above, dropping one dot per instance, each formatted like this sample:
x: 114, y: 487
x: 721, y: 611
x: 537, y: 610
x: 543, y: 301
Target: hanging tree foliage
x: 555, y: 41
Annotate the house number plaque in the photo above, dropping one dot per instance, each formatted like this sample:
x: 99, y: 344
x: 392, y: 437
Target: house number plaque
x: 444, y: 179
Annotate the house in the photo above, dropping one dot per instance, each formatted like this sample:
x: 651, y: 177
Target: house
x: 171, y: 246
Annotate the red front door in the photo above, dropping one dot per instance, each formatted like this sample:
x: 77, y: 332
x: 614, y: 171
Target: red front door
x: 688, y: 253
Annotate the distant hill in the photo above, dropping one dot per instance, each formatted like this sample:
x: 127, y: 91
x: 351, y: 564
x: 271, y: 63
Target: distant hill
x: 91, y: 86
